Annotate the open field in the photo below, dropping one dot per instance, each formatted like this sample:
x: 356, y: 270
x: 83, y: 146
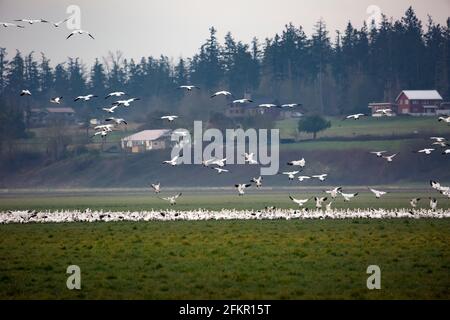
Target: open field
x: 370, y: 145
x: 212, y: 200
x: 227, y: 259
x: 369, y: 126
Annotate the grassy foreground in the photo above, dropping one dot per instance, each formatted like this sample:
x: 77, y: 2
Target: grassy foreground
x: 227, y: 260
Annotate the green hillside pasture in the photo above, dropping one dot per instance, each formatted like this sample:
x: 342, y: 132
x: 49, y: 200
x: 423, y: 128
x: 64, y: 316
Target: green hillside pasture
x: 370, y: 145
x: 370, y: 126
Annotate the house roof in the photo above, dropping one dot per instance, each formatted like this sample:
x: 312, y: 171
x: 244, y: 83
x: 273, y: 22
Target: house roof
x: 147, y: 135
x: 421, y: 95
x: 60, y: 110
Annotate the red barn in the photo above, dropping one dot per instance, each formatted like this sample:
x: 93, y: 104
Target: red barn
x: 418, y: 102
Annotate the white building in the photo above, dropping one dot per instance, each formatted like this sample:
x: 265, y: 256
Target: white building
x: 146, y: 140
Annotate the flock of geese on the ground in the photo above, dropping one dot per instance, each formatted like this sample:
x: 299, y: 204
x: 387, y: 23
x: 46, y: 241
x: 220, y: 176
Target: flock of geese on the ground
x: 218, y: 165
x: 67, y: 216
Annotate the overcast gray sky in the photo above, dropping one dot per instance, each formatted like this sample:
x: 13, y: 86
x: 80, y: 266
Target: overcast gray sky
x: 178, y: 27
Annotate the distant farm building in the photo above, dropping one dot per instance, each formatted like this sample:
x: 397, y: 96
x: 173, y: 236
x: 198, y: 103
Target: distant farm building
x: 146, y: 140
x: 444, y: 109
x: 415, y: 103
x: 418, y: 102
x: 42, y: 117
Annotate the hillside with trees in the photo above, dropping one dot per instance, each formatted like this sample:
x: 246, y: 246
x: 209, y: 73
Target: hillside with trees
x: 330, y: 77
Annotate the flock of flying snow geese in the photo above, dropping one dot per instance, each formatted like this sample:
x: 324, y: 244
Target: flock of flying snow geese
x: 218, y: 165
x: 36, y: 21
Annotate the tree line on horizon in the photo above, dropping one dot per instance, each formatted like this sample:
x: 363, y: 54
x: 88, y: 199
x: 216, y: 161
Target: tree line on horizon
x: 329, y: 76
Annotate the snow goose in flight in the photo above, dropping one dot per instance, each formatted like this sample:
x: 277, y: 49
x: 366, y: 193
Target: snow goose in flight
x: 319, y: 201
x: 222, y: 93
x: 102, y: 133
x: 290, y: 174
x: 258, y: 181
x: 85, y: 98
x: 31, y: 21
x: 104, y: 127
x: 219, y: 162
x: 444, y: 119
x: 25, y: 92
x: 170, y: 118
x: 173, y: 162
x: 300, y: 163
x: 58, y: 23
x: 56, y: 100
x: 355, y: 116
x: 433, y: 204
x: 242, y: 101
x: 446, y: 193
x: 446, y: 151
x: 7, y: 24
x: 379, y: 154
x: 156, y: 187
x: 172, y: 200
x: 111, y: 109
x: 188, y: 88
x: 438, y: 139
x: 206, y: 163
x: 441, y: 144
x: 79, y: 31
x: 321, y: 177
x: 334, y: 192
x: 348, y: 196
x: 290, y: 105
x: 413, y: 202
x: 303, y: 178
x: 384, y: 112
x: 426, y: 151
x: 378, y: 194
x: 300, y: 202
x: 115, y: 94
x: 249, y: 158
x: 267, y: 105
x: 390, y: 158
x: 117, y: 121
x: 125, y: 103
x: 220, y: 170
x: 241, y: 188
x: 437, y: 186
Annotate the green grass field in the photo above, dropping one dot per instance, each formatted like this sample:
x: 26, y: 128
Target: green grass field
x: 227, y: 260
x: 254, y: 199
x: 293, y: 259
x: 369, y: 126
x: 397, y: 144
